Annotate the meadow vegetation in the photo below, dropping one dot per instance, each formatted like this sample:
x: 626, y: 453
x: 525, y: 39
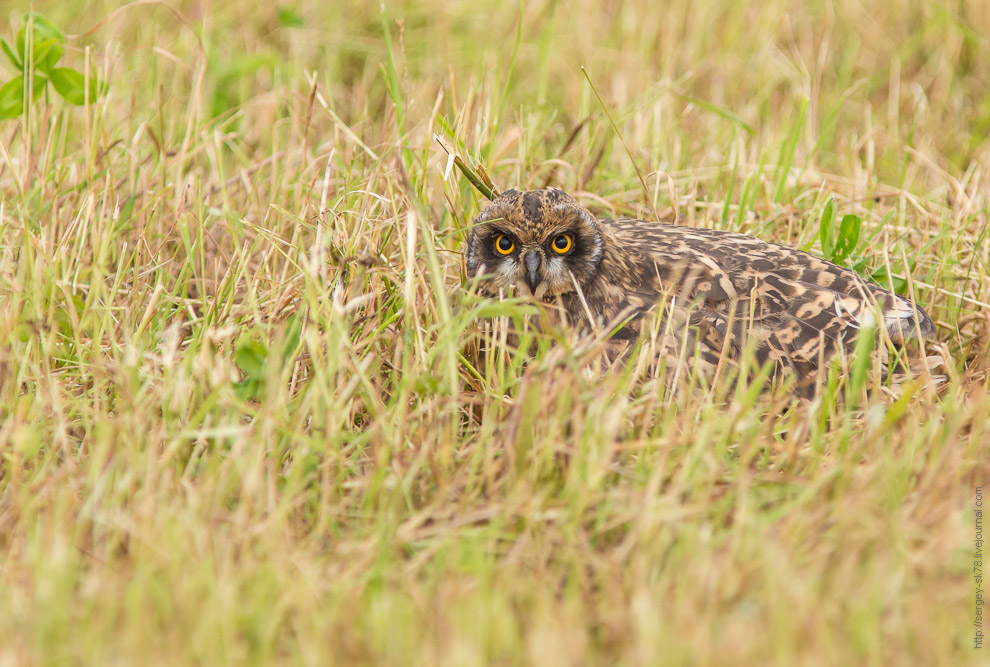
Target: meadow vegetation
x: 242, y: 417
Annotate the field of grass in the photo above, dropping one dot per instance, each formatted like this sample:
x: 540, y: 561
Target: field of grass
x: 241, y: 416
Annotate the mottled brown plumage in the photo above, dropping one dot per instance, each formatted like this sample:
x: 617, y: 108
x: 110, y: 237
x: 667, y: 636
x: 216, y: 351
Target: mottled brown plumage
x: 716, y: 290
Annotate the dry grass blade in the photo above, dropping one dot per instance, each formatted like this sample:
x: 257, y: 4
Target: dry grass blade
x: 479, y: 179
x: 248, y: 401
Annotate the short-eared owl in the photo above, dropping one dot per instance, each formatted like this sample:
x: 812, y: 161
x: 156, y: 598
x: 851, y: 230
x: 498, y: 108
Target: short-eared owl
x: 717, y: 289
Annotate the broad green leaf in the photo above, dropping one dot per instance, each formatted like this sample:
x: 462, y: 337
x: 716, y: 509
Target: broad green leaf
x: 71, y: 85
x: 825, y: 228
x: 250, y: 355
x: 12, y: 98
x: 248, y: 389
x: 43, y: 29
x: 44, y: 33
x: 848, y: 237
x: 9, y: 50
x: 46, y: 55
x: 290, y: 18
x: 38, y: 83
x: 12, y: 95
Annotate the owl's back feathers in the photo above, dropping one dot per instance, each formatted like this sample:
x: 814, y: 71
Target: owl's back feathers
x: 715, y: 292
x: 796, y: 309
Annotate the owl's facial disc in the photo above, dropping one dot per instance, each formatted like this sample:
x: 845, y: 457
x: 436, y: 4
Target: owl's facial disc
x: 541, y: 242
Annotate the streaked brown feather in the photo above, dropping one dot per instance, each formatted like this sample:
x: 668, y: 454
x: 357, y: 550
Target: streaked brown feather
x: 721, y: 289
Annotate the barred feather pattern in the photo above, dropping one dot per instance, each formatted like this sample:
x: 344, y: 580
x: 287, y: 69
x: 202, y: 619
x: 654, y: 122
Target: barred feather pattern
x: 715, y: 291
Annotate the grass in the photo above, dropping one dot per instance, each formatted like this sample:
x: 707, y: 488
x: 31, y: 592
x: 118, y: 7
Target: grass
x: 241, y: 419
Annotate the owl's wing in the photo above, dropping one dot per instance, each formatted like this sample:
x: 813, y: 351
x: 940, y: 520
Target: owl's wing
x: 792, y: 307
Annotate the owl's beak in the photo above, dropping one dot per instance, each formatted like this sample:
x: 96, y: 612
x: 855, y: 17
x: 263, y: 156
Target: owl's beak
x: 532, y: 261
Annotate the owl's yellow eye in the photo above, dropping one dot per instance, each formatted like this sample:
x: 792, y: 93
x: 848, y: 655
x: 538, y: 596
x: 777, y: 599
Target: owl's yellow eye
x: 562, y: 243
x: 504, y: 245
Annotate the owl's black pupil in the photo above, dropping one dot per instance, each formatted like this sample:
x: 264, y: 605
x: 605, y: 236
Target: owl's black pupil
x: 504, y: 244
x: 560, y: 242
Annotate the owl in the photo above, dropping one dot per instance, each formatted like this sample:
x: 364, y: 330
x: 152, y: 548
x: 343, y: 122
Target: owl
x: 714, y: 292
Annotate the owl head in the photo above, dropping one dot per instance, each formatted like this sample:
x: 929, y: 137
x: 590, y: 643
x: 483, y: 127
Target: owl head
x: 538, y: 243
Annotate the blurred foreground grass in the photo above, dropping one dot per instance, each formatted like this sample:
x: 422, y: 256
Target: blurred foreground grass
x: 240, y: 416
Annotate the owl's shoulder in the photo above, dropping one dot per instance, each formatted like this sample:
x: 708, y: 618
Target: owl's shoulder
x: 742, y: 257
x: 648, y: 237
